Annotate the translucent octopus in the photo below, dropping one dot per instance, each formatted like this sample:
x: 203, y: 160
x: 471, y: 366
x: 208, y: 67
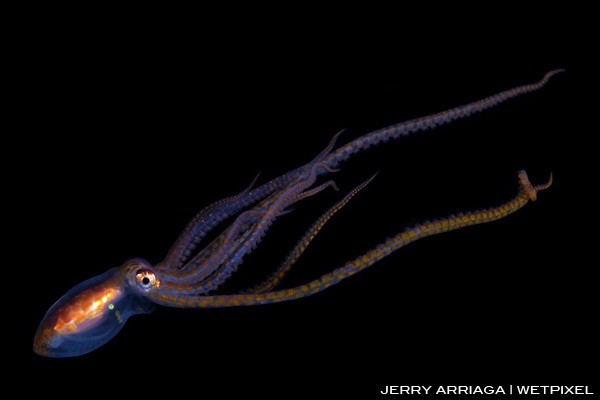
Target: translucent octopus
x: 93, y: 312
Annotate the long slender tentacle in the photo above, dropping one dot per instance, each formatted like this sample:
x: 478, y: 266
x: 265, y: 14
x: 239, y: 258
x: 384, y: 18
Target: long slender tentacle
x: 214, y: 256
x: 214, y: 214
x: 314, y: 191
x: 220, y: 210
x: 527, y: 193
x: 237, y: 250
x: 432, y: 121
x: 200, y: 225
x: 277, y: 276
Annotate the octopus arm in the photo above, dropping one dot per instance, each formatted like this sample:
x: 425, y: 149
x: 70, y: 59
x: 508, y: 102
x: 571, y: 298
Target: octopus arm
x: 527, y: 192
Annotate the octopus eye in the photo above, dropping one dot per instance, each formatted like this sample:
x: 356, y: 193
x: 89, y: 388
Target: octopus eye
x: 145, y: 279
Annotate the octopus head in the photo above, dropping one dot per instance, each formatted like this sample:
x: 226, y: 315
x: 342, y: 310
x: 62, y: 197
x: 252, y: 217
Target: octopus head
x: 93, y: 312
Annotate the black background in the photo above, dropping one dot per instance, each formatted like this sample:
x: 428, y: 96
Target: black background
x: 125, y: 135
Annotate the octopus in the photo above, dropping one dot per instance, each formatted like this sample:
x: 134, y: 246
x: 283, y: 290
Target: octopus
x: 93, y: 312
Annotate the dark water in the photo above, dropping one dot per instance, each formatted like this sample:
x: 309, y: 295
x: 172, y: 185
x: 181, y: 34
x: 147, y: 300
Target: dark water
x: 130, y: 138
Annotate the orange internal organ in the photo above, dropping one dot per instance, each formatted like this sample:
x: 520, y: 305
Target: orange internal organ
x: 85, y: 306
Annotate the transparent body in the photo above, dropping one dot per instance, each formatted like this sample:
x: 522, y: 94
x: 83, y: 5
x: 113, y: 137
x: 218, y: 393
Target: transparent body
x: 89, y: 315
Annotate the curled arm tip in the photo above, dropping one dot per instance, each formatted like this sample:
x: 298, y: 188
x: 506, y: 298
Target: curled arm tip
x: 528, y: 189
